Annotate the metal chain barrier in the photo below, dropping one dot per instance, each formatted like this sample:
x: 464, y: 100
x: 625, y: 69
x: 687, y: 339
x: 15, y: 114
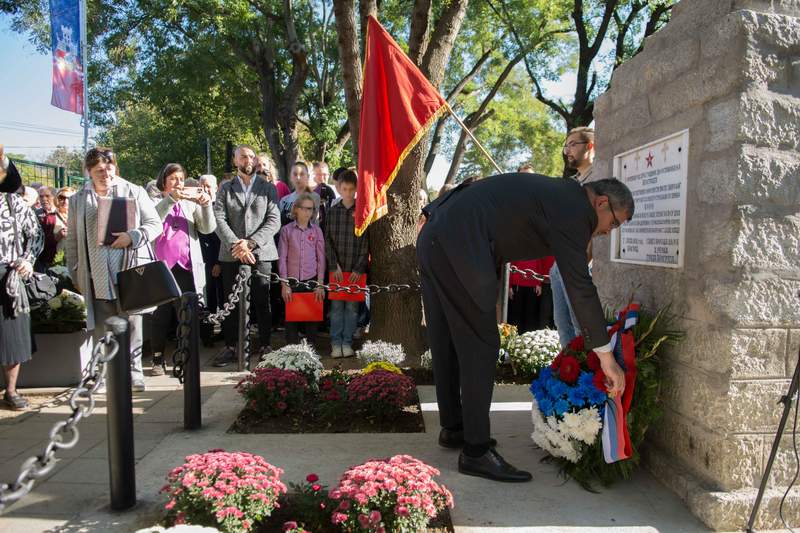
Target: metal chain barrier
x: 64, y: 434
x: 375, y: 289
x: 233, y: 299
x: 336, y: 287
x: 528, y: 273
x: 181, y: 353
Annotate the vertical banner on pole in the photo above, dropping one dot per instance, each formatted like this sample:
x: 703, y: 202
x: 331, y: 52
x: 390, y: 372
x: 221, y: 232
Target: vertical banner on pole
x: 68, y: 69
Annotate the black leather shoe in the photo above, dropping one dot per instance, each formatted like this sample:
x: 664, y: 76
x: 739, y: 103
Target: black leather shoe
x: 449, y: 438
x: 491, y: 466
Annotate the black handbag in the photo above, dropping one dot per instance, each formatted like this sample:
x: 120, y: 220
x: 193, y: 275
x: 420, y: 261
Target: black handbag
x: 40, y: 287
x: 146, y: 286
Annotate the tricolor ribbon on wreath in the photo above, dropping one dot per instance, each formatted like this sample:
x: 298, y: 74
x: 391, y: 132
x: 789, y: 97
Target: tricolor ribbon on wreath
x: 616, y: 440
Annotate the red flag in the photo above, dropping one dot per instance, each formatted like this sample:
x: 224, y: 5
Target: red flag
x: 398, y: 106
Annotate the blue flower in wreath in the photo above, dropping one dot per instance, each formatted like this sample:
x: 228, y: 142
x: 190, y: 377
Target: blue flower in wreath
x: 545, y: 406
x: 585, y: 380
x: 597, y: 397
x: 577, y: 396
x: 561, y: 407
x: 559, y: 389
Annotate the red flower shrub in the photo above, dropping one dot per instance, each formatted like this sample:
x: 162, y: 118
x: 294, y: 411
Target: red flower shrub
x: 396, y: 495
x: 272, y: 391
x: 381, y: 393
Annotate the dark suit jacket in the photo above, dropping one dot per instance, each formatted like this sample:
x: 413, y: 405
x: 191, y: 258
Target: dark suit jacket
x: 255, y: 218
x: 511, y: 217
x: 209, y: 247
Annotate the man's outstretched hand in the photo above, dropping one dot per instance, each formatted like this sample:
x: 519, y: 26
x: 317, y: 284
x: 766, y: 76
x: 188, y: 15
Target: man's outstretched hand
x: 615, y: 377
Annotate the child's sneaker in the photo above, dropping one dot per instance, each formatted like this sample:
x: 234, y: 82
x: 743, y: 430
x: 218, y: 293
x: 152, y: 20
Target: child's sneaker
x: 336, y: 351
x: 347, y: 351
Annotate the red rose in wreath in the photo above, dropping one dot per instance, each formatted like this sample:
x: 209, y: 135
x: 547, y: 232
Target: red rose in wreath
x: 577, y: 344
x: 569, y: 370
x: 592, y: 361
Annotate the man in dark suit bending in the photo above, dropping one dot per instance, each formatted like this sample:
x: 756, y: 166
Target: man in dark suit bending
x: 469, y: 234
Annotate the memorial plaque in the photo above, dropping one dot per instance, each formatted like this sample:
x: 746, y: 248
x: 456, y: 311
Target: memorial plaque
x: 656, y: 175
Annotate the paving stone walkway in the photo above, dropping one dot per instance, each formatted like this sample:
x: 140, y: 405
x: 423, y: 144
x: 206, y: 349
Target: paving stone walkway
x: 74, y: 496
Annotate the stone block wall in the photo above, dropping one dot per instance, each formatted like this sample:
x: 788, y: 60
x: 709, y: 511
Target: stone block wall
x: 729, y: 71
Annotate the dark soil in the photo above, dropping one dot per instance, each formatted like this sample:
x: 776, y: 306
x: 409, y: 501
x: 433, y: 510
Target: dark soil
x: 307, y: 419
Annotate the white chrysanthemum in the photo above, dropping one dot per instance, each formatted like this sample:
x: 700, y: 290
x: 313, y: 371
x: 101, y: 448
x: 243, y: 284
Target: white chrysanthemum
x: 426, y: 361
x: 561, y: 438
x: 374, y: 351
x: 533, y: 350
x: 300, y: 357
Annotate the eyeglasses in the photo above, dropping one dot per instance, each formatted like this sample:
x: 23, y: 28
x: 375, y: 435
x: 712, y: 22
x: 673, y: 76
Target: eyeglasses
x: 63, y: 198
x: 616, y: 223
x: 573, y: 144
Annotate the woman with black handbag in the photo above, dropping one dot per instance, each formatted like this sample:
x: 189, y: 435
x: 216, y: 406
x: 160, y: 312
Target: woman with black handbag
x: 96, y: 254
x: 21, y: 241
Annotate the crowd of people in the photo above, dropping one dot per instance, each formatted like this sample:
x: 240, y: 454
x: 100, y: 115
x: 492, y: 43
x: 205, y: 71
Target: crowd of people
x: 204, y: 230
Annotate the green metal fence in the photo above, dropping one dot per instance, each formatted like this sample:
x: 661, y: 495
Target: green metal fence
x: 46, y: 174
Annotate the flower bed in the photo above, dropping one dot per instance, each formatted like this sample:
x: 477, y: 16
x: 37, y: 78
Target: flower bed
x: 236, y: 492
x: 378, y: 399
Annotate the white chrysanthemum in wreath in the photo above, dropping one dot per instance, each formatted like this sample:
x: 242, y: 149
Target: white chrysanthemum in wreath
x: 561, y: 438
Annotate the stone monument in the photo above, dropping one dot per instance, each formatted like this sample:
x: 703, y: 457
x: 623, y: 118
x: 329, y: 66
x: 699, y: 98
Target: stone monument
x: 722, y: 80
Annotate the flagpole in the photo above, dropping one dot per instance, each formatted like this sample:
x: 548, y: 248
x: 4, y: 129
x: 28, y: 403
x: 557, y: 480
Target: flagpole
x: 85, y: 66
x: 471, y: 136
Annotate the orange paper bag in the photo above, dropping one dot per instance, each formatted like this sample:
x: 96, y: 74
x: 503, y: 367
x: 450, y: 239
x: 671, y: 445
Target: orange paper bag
x: 303, y: 307
x: 346, y: 296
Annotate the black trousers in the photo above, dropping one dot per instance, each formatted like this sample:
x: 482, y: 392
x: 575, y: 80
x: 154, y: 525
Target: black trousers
x: 464, y: 345
x: 530, y: 312
x: 163, y: 316
x: 259, y: 301
x: 215, y: 296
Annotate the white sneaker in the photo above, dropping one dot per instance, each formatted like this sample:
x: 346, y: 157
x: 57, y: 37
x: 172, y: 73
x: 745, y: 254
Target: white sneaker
x: 347, y: 351
x: 336, y: 351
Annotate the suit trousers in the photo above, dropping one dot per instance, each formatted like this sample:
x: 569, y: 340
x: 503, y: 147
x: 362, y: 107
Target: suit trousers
x: 164, y: 315
x: 464, y: 344
x: 259, y: 300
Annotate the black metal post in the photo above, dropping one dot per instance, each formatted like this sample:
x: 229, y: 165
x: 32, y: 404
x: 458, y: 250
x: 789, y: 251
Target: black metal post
x: 122, y: 473
x: 244, y: 308
x: 787, y: 407
x: 192, y: 417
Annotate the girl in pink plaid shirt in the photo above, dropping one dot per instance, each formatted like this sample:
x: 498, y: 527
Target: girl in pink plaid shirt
x: 301, y: 251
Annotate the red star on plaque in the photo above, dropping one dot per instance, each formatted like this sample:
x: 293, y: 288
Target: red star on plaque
x: 649, y: 159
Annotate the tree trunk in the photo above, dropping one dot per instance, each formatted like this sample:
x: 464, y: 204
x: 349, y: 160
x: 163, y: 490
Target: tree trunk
x: 347, y: 35
x: 398, y: 317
